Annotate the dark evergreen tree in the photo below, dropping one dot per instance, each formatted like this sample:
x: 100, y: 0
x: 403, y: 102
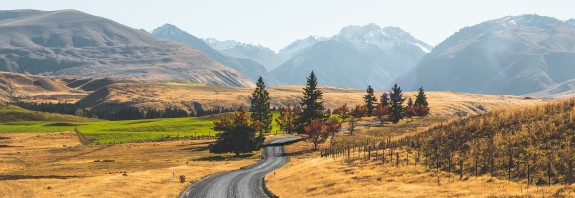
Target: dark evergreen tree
x: 370, y: 100
x: 311, y: 103
x: 421, y: 107
x: 384, y: 100
x: 396, y: 99
x: 261, y: 108
x: 421, y: 98
x: 409, y: 102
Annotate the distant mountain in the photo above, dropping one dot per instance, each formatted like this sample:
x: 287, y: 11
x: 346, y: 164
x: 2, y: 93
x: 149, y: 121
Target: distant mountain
x: 69, y: 42
x: 298, y: 46
x: 356, y: 57
x: 221, y: 45
x: 247, y: 67
x: 511, y: 55
x: 263, y: 55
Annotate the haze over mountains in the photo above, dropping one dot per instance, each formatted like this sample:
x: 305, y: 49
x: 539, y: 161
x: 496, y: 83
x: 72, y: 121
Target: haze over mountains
x: 520, y: 55
x: 511, y: 55
x: 69, y: 42
x: 263, y: 55
x: 249, y: 68
x: 356, y: 57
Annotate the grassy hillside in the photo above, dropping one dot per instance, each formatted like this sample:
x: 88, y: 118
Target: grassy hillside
x: 10, y: 113
x: 535, y: 144
x: 125, y: 130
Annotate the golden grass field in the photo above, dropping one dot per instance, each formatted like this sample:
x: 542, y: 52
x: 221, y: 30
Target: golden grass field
x: 91, y: 92
x: 308, y: 175
x: 51, y: 165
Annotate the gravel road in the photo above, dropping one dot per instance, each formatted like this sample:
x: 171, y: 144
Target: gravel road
x: 246, y: 182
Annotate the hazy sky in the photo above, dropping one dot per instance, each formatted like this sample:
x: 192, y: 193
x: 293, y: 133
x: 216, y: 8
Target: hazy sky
x: 275, y: 23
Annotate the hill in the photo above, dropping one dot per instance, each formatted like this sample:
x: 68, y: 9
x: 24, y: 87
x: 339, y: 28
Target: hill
x: 512, y: 55
x: 69, y: 42
x: 356, y: 57
x: 534, y: 144
x: 10, y: 113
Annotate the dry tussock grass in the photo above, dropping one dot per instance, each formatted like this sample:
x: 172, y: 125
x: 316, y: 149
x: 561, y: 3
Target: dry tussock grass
x: 38, y: 165
x: 310, y: 176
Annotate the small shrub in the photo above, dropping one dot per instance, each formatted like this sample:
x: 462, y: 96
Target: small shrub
x: 182, y: 178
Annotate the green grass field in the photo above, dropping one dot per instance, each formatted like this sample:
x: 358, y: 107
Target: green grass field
x: 127, y: 130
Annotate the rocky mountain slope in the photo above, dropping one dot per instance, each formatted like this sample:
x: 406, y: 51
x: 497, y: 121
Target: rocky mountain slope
x: 512, y: 55
x: 251, y: 69
x: 356, y: 57
x: 69, y: 42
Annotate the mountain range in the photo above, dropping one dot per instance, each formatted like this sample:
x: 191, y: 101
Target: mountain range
x: 512, y: 55
x: 249, y: 68
x: 518, y: 55
x: 69, y: 42
x: 356, y: 57
x: 258, y: 53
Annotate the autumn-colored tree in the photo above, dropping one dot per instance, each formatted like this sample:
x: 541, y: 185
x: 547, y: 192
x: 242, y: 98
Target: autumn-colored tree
x: 410, y: 108
x: 381, y: 113
x: 287, y: 119
x: 333, y: 125
x: 357, y: 113
x: 316, y: 132
x: 235, y: 135
x: 343, y: 112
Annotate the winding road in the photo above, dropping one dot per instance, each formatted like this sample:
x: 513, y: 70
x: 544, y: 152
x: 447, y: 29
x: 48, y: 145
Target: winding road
x: 246, y: 182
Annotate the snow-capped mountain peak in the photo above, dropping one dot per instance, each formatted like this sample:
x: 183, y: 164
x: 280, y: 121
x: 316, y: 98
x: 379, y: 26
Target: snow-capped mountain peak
x: 383, y: 38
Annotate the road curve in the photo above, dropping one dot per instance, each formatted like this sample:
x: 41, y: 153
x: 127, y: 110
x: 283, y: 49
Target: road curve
x: 243, y: 183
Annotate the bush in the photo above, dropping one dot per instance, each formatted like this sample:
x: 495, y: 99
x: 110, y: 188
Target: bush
x: 182, y: 178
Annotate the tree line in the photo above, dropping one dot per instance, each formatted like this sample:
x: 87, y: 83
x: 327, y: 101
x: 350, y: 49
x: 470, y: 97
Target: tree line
x: 118, y: 113
x: 309, y: 116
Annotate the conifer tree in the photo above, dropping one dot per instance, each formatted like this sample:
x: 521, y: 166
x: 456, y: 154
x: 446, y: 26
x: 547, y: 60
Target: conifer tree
x: 396, y: 99
x: 311, y: 103
x: 260, y: 108
x: 384, y: 100
x: 421, y: 98
x: 421, y: 107
x: 370, y: 100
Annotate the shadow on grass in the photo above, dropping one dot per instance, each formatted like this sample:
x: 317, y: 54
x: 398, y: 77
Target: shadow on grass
x: 193, y: 149
x: 63, y: 124
x: 299, y: 152
x: 18, y: 177
x: 225, y: 157
x: 6, y: 146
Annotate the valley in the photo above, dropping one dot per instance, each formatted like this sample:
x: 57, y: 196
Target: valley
x: 287, y: 99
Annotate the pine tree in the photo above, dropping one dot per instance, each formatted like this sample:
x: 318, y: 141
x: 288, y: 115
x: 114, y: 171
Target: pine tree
x: 370, y: 100
x: 311, y: 103
x: 421, y: 98
x: 396, y: 99
x: 384, y: 99
x: 421, y: 107
x: 261, y: 108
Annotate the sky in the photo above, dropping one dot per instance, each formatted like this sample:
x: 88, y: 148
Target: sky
x: 275, y: 24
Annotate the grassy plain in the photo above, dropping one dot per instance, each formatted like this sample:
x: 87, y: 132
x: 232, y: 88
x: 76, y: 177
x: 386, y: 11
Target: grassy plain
x: 46, y: 165
x: 126, y: 130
